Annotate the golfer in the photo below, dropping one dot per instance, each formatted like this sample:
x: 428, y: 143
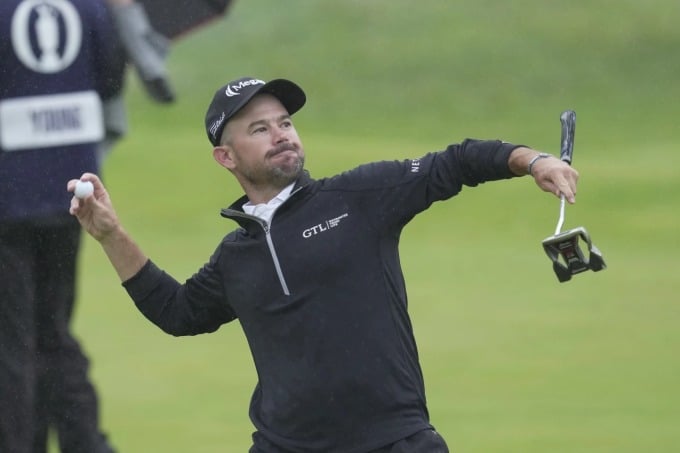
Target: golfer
x: 312, y: 273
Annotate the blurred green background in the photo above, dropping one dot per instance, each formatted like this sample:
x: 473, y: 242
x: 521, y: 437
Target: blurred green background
x: 514, y: 361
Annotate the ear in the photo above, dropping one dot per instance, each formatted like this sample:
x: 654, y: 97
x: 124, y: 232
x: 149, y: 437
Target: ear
x: 223, y: 156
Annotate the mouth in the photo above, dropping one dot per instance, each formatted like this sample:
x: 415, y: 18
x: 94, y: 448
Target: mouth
x: 282, y: 149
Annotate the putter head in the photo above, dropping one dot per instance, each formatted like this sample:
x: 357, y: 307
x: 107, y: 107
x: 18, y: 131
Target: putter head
x: 573, y: 261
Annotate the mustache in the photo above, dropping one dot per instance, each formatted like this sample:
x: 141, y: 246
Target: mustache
x: 281, y: 147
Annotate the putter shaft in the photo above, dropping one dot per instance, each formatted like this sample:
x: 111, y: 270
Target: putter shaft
x: 560, y: 221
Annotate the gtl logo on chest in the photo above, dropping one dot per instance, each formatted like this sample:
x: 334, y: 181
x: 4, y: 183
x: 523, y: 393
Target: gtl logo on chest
x: 321, y: 227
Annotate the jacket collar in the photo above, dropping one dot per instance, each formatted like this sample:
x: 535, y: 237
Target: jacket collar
x: 235, y: 210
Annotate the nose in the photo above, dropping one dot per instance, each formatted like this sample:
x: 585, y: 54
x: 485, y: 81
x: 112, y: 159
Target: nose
x: 280, y: 134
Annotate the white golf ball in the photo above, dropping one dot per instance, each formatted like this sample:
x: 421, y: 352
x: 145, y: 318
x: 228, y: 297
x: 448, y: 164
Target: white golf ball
x: 83, y: 189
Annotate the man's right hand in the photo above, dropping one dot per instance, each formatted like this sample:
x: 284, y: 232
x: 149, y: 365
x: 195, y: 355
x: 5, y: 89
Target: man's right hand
x: 97, y: 216
x: 95, y: 213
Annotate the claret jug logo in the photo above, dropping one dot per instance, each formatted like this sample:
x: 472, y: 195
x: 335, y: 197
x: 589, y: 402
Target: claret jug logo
x: 46, y: 34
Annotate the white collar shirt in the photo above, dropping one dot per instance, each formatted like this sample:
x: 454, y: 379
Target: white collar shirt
x: 265, y: 211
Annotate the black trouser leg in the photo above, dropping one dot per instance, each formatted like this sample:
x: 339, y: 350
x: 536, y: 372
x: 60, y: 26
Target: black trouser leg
x: 43, y: 372
x: 17, y: 341
x: 64, y: 387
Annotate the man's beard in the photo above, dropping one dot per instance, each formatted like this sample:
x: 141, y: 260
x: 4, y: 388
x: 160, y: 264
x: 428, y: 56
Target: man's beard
x: 288, y: 172
x: 281, y: 174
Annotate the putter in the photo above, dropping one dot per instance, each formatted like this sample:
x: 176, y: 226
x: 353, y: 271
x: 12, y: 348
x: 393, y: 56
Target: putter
x: 563, y: 248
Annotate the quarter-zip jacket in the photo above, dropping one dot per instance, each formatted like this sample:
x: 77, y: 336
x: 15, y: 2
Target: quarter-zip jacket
x: 321, y: 298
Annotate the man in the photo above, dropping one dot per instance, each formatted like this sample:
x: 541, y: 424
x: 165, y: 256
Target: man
x: 59, y: 63
x: 313, y: 273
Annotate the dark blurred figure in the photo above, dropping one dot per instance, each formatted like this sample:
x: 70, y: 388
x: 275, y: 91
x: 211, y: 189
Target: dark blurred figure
x: 146, y: 49
x: 147, y: 29
x: 61, y: 76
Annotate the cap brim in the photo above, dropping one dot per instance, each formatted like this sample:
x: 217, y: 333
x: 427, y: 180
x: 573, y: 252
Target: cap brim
x: 290, y: 94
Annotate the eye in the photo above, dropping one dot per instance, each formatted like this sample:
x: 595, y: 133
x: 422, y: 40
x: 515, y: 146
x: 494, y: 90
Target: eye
x: 259, y: 130
x: 286, y: 124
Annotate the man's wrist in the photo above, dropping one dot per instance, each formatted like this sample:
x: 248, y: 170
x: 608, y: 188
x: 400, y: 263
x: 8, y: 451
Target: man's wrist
x: 520, y: 158
x: 535, y: 159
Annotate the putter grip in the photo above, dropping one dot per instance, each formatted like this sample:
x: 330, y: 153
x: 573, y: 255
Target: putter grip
x: 568, y: 120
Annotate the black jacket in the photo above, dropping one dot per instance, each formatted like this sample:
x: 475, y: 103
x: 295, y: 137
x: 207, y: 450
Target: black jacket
x: 321, y: 298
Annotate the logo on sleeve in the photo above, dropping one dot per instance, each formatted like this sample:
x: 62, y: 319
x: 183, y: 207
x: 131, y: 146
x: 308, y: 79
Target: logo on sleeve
x: 46, y: 34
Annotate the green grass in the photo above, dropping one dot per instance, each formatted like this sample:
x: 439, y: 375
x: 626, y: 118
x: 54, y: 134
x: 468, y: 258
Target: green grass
x: 514, y: 361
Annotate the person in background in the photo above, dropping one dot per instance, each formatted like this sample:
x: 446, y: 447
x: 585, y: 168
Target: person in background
x: 312, y: 273
x: 148, y: 28
x: 61, y: 66
x: 146, y: 49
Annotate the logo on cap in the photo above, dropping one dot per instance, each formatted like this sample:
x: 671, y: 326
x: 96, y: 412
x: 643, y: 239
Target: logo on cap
x: 215, y: 126
x: 233, y: 90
